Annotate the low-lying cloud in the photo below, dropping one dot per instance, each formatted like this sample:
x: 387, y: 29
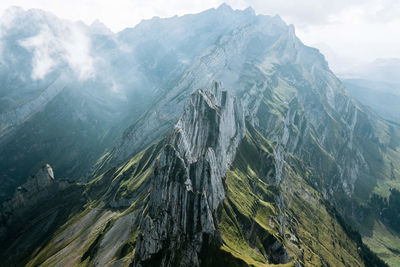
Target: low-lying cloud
x: 63, y: 44
x: 45, y: 49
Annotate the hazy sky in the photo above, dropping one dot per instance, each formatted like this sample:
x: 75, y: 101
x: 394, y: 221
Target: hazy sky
x: 359, y: 29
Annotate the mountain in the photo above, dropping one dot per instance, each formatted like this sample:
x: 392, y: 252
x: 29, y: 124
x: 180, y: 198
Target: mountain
x: 248, y: 151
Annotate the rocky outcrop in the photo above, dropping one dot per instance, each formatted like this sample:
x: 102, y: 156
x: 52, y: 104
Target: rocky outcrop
x: 188, y: 183
x: 37, y: 188
x: 34, y: 188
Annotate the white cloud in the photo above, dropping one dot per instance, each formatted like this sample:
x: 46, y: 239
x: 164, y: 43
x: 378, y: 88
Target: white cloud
x: 44, y: 47
x: 67, y: 43
x: 77, y: 47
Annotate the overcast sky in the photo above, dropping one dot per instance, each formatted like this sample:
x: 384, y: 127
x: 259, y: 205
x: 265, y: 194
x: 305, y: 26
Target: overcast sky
x: 355, y: 29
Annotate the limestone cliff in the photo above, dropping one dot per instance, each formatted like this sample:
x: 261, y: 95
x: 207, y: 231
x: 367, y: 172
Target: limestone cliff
x: 188, y: 184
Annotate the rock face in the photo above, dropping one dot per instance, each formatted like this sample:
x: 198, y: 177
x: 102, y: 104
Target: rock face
x: 188, y: 183
x: 37, y: 188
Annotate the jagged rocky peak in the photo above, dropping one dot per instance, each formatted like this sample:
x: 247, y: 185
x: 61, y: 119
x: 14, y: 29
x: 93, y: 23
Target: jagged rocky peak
x: 98, y: 27
x: 187, y: 186
x: 43, y: 177
x: 225, y: 7
x: 40, y: 181
x: 40, y: 189
x: 35, y: 189
x: 211, y: 119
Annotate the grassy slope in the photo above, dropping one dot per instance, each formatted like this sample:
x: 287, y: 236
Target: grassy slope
x: 100, y: 229
x: 312, y: 235
x: 385, y: 243
x: 248, y: 217
x: 382, y: 154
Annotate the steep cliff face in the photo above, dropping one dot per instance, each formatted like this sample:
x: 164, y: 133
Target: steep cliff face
x: 188, y: 184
